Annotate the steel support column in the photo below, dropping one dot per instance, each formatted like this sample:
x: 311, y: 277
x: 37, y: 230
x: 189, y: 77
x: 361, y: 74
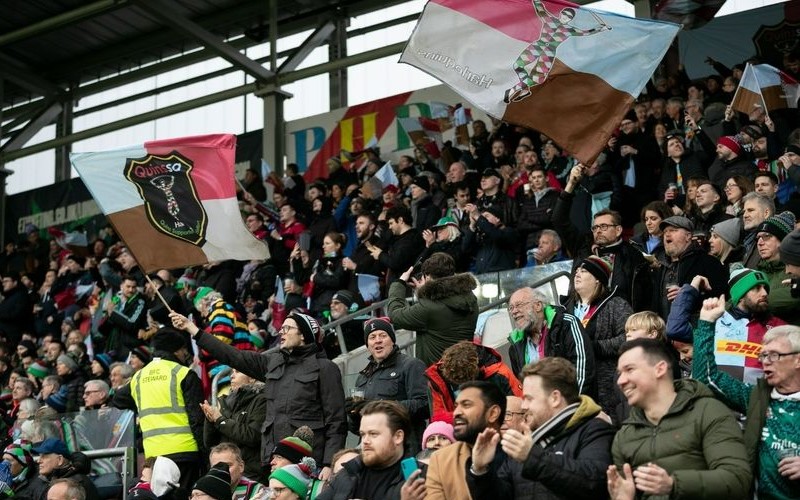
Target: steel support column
x: 64, y: 128
x: 337, y: 79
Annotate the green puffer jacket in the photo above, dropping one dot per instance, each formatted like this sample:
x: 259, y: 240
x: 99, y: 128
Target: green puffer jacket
x: 446, y: 313
x: 698, y: 442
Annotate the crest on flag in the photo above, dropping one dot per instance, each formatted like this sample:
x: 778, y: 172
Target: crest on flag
x: 169, y: 194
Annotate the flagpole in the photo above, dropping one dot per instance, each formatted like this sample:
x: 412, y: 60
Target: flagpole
x: 158, y: 293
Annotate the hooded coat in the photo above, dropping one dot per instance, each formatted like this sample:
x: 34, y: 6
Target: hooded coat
x: 697, y: 442
x: 445, y: 314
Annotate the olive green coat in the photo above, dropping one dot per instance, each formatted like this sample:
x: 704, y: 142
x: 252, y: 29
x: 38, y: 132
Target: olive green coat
x: 698, y: 442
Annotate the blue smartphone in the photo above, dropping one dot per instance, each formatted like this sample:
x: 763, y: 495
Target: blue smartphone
x: 408, y: 465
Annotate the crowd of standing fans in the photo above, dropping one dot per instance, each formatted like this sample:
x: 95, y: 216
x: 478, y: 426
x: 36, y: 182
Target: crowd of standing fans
x: 670, y: 369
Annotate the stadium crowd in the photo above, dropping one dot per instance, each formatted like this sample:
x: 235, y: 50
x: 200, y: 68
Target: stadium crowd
x: 670, y: 369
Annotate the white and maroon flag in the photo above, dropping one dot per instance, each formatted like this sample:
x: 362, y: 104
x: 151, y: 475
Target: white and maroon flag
x: 173, y: 202
x: 766, y: 86
x: 569, y: 72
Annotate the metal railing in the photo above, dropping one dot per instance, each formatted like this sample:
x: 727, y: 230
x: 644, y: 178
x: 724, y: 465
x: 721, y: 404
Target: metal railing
x: 128, y: 471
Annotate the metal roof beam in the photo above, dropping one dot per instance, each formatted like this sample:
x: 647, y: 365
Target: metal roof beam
x: 61, y: 20
x: 314, y: 40
x: 15, y: 71
x: 43, y: 118
x: 165, y: 12
x: 224, y: 95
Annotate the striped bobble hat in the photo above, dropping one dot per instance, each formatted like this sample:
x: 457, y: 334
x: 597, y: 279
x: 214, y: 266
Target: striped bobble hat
x: 778, y: 225
x: 38, y: 369
x: 293, y: 449
x: 21, y: 454
x: 742, y: 280
x: 296, y: 477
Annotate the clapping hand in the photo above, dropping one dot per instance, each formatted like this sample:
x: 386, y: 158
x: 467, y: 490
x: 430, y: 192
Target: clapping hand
x: 620, y: 486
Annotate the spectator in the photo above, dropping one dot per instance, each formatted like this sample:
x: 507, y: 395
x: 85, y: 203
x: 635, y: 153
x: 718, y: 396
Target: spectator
x: 444, y: 236
x: 723, y: 242
x: 95, y: 394
x: 390, y: 375
x: 215, y: 485
x: 544, y: 330
x: 710, y: 209
x: 69, y: 397
x: 56, y: 462
x: 769, y: 236
x: 125, y: 315
x: 236, y: 421
x: 602, y: 314
x: 230, y: 455
x: 535, y: 207
x: 769, y: 427
x: 26, y: 482
x: 423, y: 211
x: 121, y: 374
x: 178, y: 411
x: 16, y: 309
x: 633, y: 154
x: 566, y: 455
x: 292, y: 449
x: 547, y: 251
x: 437, y: 435
x: 479, y: 405
x: 345, y: 302
x: 757, y: 209
x: 66, y: 489
x: 405, y: 245
x: 743, y: 325
x: 790, y: 253
x: 685, y: 260
x: 361, y: 261
x: 376, y: 473
x: 710, y: 461
x: 650, y: 241
x: 304, y: 387
x: 223, y: 322
x: 496, y: 242
x: 679, y: 166
x: 464, y: 362
x: 515, y: 417
x: 446, y: 311
x: 292, y: 482
x: 631, y: 275
x: 736, y: 188
x: 730, y: 161
x: 494, y: 196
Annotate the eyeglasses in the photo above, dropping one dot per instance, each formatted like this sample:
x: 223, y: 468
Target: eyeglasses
x: 274, y: 492
x: 518, y: 305
x: 287, y: 329
x: 510, y: 415
x: 774, y: 356
x: 602, y: 227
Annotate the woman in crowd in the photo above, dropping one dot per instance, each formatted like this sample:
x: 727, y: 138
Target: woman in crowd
x: 650, y: 240
x: 735, y: 189
x: 723, y: 242
x: 603, y: 315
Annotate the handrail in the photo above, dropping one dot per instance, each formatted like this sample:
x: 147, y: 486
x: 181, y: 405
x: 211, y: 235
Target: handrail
x: 550, y: 279
x: 336, y: 324
x: 128, y: 455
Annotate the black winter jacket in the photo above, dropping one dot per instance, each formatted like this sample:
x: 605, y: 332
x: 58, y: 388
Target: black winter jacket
x: 568, y: 462
x: 693, y: 262
x: 398, y: 378
x: 302, y: 387
x: 346, y: 481
x: 535, y: 215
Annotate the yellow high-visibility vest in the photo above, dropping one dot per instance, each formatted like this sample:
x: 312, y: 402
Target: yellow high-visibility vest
x: 161, y: 408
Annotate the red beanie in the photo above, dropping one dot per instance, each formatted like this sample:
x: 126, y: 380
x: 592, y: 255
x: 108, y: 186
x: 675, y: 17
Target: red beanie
x: 731, y: 143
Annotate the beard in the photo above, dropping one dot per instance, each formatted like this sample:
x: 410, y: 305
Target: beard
x: 470, y: 433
